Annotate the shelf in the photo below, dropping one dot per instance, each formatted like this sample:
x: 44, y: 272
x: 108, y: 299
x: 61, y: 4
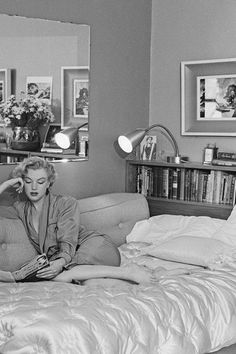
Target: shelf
x: 191, y: 165
x: 183, y: 194
x: 159, y: 206
x: 11, y: 152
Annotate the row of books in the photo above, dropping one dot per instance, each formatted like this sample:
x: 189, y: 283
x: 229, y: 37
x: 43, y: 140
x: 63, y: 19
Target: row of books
x: 187, y: 184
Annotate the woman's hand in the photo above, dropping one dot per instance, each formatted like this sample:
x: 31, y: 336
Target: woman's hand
x: 16, y: 183
x: 52, y: 270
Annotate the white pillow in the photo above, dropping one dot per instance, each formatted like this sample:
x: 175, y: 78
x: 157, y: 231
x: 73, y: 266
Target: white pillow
x: 227, y: 232
x: 200, y: 251
x: 163, y: 227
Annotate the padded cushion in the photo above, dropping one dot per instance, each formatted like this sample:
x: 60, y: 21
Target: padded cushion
x: 114, y: 214
x: 15, y: 247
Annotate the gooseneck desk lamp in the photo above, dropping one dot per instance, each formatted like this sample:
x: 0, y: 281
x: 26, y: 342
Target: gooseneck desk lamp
x: 129, y: 141
x: 66, y: 137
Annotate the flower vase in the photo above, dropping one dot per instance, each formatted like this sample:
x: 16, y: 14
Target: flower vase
x: 25, y: 139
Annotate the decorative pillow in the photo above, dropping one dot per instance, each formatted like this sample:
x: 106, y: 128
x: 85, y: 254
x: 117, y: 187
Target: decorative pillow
x: 200, y: 251
x: 15, y: 247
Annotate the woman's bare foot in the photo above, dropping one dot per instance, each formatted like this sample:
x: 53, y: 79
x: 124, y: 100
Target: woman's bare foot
x: 141, y: 274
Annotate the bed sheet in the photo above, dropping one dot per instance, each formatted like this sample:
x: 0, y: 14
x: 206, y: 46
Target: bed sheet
x: 184, y: 314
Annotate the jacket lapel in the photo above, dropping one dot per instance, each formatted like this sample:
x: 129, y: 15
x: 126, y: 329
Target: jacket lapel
x: 43, y: 223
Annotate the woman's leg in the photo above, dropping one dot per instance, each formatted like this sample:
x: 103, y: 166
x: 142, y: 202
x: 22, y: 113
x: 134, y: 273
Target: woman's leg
x: 132, y: 272
x: 96, y: 248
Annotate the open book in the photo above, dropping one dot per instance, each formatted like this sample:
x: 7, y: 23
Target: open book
x: 28, y: 271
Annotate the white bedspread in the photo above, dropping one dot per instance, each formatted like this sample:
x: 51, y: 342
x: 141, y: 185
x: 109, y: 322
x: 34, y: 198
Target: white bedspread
x: 184, y: 314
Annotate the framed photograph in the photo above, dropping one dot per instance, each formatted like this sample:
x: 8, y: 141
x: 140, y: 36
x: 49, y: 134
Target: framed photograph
x: 81, y: 98
x: 74, y: 96
x: 49, y: 143
x: 40, y: 87
x: 148, y: 148
x: 49, y: 138
x: 2, y: 91
x: 216, y: 97
x: 208, y: 97
x: 5, y: 87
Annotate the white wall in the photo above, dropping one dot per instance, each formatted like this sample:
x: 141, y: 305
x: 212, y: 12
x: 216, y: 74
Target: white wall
x: 185, y: 30
x: 120, y: 69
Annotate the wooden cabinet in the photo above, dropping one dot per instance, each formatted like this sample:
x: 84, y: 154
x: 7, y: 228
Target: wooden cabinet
x: 186, y: 188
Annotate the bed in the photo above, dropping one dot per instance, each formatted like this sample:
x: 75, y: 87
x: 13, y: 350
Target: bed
x: 192, y: 309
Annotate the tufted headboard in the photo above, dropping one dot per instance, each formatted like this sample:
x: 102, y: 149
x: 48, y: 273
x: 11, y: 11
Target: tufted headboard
x: 114, y: 214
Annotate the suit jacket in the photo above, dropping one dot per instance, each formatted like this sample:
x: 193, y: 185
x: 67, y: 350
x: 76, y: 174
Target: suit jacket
x: 58, y: 227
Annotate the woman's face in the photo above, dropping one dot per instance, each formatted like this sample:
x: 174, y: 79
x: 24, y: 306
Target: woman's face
x: 36, y: 184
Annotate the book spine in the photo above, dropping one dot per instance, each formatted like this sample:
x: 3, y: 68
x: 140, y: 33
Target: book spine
x: 217, y: 187
x: 182, y: 183
x: 175, y: 184
x: 222, y: 190
x: 178, y: 182
x: 159, y: 181
x: 165, y: 183
x: 186, y: 185
x: 204, y: 187
x: 170, y: 184
x: 232, y: 192
x: 200, y: 187
x: 155, y: 181
x: 229, y: 182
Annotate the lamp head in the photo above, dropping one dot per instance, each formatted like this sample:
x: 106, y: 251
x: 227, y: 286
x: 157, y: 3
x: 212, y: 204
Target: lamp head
x: 65, y: 138
x: 129, y: 141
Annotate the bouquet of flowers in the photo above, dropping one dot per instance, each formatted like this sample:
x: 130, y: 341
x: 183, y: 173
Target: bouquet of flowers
x: 27, y: 112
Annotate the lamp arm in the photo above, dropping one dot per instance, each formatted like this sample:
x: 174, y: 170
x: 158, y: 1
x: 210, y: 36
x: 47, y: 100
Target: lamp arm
x: 169, y: 133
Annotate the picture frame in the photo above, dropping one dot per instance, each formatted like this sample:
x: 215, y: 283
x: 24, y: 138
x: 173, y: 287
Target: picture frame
x: 73, y: 80
x: 2, y: 91
x: 49, y: 137
x: 216, y: 97
x: 216, y: 75
x: 81, y: 98
x: 49, y: 143
x: 148, y: 147
x: 40, y: 87
x: 5, y: 87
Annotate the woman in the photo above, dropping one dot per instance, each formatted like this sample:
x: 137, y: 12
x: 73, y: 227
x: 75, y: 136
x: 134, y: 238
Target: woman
x: 52, y: 224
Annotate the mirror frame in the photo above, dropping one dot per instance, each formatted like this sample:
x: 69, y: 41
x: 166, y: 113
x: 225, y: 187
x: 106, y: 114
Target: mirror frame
x: 67, y: 97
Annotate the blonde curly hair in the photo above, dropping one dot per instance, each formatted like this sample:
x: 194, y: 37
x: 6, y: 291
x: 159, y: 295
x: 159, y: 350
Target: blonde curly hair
x: 35, y: 163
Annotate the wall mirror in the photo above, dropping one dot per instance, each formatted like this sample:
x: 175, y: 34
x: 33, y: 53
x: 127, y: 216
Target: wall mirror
x: 45, y: 65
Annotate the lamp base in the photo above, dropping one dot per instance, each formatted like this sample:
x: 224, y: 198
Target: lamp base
x: 174, y: 159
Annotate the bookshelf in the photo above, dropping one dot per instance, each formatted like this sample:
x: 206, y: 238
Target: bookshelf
x: 186, y: 188
x: 8, y: 155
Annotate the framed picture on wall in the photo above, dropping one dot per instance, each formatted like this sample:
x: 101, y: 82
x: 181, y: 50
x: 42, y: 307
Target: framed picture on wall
x: 81, y: 98
x: 40, y: 87
x: 216, y: 97
x: 74, y: 96
x: 2, y: 91
x: 208, y: 97
x: 5, y: 87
